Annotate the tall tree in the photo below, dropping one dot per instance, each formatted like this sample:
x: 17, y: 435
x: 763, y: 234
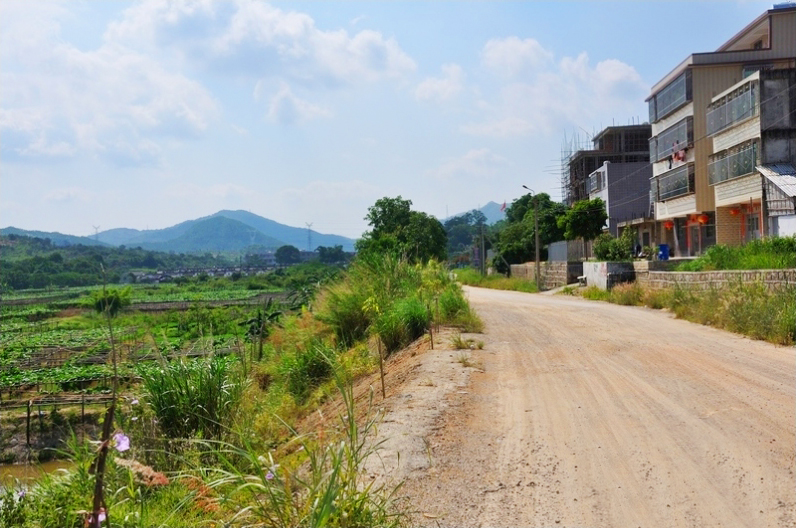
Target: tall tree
x: 585, y: 219
x: 287, y: 255
x: 398, y: 230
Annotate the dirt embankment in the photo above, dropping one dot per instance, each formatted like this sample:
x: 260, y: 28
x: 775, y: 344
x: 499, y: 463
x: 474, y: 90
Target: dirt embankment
x: 590, y: 414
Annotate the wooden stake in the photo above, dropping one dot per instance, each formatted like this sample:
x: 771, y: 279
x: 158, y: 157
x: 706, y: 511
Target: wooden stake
x: 381, y: 371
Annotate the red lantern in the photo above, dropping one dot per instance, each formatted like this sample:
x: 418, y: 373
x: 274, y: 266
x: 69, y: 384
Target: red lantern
x: 668, y: 224
x: 735, y: 211
x: 703, y: 219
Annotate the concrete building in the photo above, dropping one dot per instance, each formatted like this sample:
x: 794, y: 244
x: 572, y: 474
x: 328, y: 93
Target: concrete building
x: 681, y: 147
x: 615, y: 144
x: 753, y: 127
x: 625, y: 189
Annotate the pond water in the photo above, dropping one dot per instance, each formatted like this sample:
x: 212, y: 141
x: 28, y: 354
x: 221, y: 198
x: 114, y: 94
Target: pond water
x: 27, y: 473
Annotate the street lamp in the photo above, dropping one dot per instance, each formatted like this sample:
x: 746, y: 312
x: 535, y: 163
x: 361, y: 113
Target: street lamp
x: 536, y: 233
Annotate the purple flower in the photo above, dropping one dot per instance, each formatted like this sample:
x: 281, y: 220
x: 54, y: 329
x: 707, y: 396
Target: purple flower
x: 134, y: 402
x: 122, y: 442
x: 269, y: 476
x: 21, y: 494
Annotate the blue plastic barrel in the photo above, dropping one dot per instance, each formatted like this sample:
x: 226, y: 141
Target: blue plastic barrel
x: 663, y: 252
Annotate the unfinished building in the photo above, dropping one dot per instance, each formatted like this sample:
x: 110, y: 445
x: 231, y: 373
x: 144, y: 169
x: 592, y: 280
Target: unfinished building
x: 615, y: 144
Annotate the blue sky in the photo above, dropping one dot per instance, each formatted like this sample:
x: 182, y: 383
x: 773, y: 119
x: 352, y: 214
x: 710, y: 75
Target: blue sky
x: 143, y: 115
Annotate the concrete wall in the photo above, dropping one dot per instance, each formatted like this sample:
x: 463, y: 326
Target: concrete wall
x: 704, y: 280
x: 605, y: 275
x: 628, y: 192
x: 553, y: 274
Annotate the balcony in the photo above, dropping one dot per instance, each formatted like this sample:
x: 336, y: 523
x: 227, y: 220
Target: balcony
x: 677, y: 137
x: 677, y: 182
x: 671, y: 97
x: 736, y: 107
x: 728, y: 166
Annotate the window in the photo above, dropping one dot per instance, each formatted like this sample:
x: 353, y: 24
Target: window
x: 737, y: 106
x: 732, y: 163
x: 673, y: 139
x: 677, y: 182
x: 671, y: 97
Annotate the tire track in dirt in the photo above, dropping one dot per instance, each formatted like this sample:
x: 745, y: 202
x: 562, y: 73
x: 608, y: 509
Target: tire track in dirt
x: 590, y: 414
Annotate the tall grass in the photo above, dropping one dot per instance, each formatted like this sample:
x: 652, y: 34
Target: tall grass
x: 194, y: 396
x: 471, y: 277
x: 325, y: 487
x: 746, y: 308
x: 767, y: 253
x: 395, y: 299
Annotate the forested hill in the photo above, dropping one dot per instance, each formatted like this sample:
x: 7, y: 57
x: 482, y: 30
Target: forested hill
x: 224, y: 231
x: 37, y: 263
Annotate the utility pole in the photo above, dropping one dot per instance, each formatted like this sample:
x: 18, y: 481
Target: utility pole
x: 536, y: 235
x: 309, y: 236
x: 483, y: 252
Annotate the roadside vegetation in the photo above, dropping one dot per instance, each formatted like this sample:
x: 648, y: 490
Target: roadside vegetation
x: 767, y: 253
x: 472, y: 277
x: 205, y: 430
x: 746, y: 308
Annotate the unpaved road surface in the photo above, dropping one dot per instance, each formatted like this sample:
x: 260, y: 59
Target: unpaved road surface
x: 591, y: 414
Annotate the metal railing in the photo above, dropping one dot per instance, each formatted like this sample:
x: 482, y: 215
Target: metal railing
x: 737, y: 107
x: 677, y: 182
x: 733, y: 166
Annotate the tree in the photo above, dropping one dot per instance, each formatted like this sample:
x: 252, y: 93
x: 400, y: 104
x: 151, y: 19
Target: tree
x: 515, y: 238
x: 400, y: 231
x: 585, y: 219
x: 331, y: 255
x: 287, y: 255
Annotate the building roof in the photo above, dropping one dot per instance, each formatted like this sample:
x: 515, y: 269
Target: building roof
x: 783, y: 175
x: 724, y: 53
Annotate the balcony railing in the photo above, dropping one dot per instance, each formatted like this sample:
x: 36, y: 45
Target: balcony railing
x: 677, y: 182
x: 737, y: 107
x: 733, y: 165
x: 671, y: 97
x: 595, y: 182
x: 674, y: 138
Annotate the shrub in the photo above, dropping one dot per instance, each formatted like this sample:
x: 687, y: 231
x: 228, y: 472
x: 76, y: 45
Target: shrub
x: 193, y: 397
x: 767, y: 253
x: 306, y: 368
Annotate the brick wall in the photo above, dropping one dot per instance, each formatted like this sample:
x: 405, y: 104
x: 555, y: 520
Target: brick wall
x: 728, y: 227
x: 703, y: 280
x: 553, y: 273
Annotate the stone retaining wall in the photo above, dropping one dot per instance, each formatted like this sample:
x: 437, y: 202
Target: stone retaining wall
x: 704, y: 280
x: 553, y: 274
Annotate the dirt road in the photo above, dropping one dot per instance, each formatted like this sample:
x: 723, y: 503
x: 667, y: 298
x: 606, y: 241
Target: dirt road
x: 591, y: 414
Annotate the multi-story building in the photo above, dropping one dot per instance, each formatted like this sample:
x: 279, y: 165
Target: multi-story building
x: 753, y: 127
x: 681, y: 147
x: 615, y: 144
x: 625, y: 189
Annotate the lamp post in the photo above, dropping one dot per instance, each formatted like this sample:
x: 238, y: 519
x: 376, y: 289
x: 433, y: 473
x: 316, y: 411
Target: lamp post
x: 536, y: 234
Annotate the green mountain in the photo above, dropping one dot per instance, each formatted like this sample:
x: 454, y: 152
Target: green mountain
x: 214, y: 234
x: 185, y: 234
x: 57, y: 239
x: 491, y: 211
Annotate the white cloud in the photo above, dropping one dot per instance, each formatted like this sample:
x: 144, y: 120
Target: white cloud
x: 441, y: 88
x: 60, y: 101
x: 475, y: 163
x: 254, y: 39
x: 556, y: 95
x: 287, y: 109
x: 70, y: 194
x: 512, y: 56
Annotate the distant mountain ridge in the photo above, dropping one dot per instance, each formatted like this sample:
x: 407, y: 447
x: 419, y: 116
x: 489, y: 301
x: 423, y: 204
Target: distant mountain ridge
x: 491, y: 211
x: 275, y: 234
x: 222, y: 231
x: 57, y: 239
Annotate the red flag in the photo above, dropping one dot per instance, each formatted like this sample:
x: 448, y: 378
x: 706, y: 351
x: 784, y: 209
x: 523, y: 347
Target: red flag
x: 503, y: 207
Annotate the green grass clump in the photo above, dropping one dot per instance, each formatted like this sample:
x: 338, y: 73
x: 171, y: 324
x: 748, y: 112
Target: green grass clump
x: 193, y: 397
x: 746, y: 308
x: 306, y: 368
x: 471, y: 277
x: 767, y: 253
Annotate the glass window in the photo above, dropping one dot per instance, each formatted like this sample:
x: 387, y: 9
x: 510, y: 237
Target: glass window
x: 674, y: 95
